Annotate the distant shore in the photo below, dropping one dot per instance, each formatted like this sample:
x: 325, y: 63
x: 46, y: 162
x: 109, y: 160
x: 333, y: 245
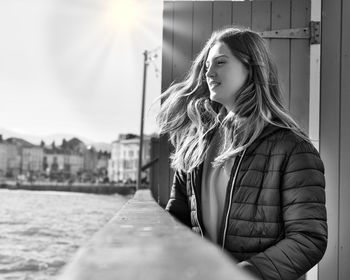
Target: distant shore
x: 75, y: 187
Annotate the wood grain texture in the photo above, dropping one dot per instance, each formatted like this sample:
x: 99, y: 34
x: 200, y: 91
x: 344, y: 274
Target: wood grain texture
x: 344, y: 190
x: 202, y: 25
x: 300, y: 65
x: 242, y: 14
x: 280, y: 48
x: 222, y: 14
x: 330, y: 129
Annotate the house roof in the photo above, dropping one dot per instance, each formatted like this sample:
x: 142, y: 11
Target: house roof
x: 19, y: 142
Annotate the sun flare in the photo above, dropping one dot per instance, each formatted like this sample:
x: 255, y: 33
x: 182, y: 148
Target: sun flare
x: 123, y: 15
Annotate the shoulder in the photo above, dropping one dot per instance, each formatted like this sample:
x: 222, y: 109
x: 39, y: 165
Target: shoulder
x: 287, y: 141
x: 282, y: 142
x: 299, y: 153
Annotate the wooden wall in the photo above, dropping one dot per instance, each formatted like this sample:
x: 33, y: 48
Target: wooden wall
x: 201, y: 17
x: 335, y: 135
x: 188, y: 24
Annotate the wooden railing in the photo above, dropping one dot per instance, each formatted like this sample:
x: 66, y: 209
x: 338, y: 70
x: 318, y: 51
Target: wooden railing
x: 144, y: 242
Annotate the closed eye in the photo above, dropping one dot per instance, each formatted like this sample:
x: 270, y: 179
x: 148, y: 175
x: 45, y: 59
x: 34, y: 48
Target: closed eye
x: 219, y: 62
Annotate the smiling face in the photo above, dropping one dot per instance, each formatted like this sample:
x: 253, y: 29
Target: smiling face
x: 225, y: 75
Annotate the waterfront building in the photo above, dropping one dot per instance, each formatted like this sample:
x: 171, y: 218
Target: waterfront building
x: 90, y: 159
x: 58, y: 160
x: 18, y: 156
x: 113, y: 163
x: 83, y: 157
x: 32, y: 159
x: 23, y: 156
x: 123, y: 165
x: 102, y: 160
x: 13, y: 160
x: 54, y: 160
x: 75, y: 163
x: 74, y: 145
x: 3, y: 159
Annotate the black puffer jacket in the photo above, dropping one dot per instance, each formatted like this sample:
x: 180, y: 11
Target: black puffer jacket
x: 274, y: 215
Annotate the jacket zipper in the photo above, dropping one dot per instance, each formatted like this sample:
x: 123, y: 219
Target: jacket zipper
x: 199, y: 224
x: 230, y: 202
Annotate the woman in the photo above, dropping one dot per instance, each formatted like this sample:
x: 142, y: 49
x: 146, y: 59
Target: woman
x: 247, y: 177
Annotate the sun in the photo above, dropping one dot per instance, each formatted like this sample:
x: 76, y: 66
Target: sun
x: 123, y: 16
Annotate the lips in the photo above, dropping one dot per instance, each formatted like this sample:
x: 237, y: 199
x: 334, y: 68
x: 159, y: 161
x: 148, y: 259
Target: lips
x: 213, y: 84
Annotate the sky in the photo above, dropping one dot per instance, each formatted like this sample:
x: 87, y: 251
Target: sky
x: 76, y: 66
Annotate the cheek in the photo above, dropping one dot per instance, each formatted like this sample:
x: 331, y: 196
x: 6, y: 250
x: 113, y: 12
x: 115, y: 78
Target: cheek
x: 240, y: 77
x: 235, y: 80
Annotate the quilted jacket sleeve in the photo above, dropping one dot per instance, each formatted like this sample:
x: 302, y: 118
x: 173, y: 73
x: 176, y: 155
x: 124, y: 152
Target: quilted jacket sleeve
x: 304, y: 216
x: 177, y: 204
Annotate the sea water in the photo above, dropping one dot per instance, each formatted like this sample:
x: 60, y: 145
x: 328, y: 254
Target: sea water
x: 41, y: 230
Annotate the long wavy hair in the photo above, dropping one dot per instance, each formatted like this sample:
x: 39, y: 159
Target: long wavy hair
x: 190, y: 117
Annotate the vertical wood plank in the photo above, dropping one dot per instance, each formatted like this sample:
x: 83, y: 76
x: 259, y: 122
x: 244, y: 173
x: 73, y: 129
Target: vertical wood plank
x: 181, y: 18
x: 344, y: 191
x: 167, y: 74
x: 299, y: 65
x: 182, y: 51
x: 314, y: 85
x: 330, y: 129
x: 154, y: 170
x: 222, y: 14
x: 261, y: 16
x: 167, y: 51
x: 202, y: 25
x: 242, y: 14
x: 164, y: 171
x: 280, y: 48
x: 183, y: 34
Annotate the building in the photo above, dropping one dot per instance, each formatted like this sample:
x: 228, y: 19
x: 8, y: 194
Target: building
x: 23, y: 156
x: 3, y: 159
x: 18, y: 156
x: 13, y: 160
x: 53, y: 161
x: 123, y: 165
x: 32, y: 159
x: 102, y: 160
x: 74, y: 145
x: 58, y: 159
x: 75, y: 163
x: 90, y: 159
x: 113, y: 163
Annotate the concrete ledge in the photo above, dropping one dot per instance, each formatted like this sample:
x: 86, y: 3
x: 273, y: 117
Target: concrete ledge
x: 97, y: 189
x: 144, y: 242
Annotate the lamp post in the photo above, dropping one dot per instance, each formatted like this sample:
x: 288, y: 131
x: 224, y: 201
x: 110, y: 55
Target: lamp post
x: 145, y: 64
x: 148, y: 56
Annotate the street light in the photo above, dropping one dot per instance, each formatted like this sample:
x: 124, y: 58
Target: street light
x: 148, y: 56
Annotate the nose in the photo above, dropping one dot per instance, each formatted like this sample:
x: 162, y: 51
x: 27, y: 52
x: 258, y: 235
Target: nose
x: 210, y: 72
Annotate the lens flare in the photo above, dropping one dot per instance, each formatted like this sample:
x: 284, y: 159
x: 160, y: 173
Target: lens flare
x: 123, y: 15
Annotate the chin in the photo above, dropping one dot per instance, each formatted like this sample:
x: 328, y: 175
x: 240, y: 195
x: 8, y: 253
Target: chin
x: 214, y: 97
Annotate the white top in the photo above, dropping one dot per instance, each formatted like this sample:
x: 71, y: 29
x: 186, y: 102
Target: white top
x: 214, y: 186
